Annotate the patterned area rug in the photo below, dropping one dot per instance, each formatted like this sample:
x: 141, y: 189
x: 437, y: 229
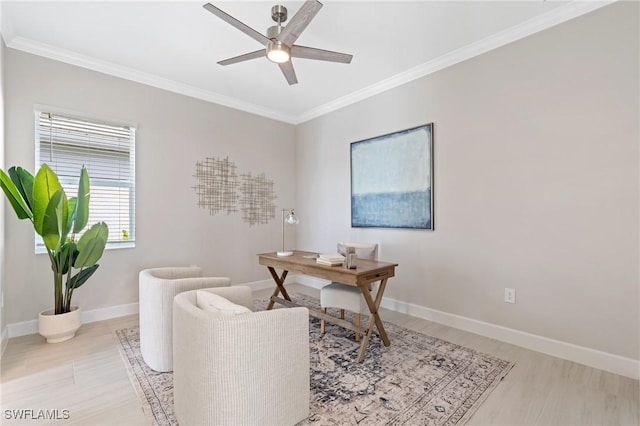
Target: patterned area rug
x: 418, y: 380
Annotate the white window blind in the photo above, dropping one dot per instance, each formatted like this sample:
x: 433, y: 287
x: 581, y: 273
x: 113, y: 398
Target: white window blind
x: 107, y: 150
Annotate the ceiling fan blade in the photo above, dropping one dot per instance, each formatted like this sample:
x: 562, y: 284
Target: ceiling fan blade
x: 246, y: 57
x: 289, y: 73
x: 320, y: 54
x: 299, y: 22
x: 239, y: 25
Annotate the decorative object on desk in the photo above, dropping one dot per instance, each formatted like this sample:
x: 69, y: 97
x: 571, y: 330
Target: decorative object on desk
x: 289, y: 219
x: 392, y: 180
x: 333, y: 259
x: 58, y: 220
x: 220, y: 190
x: 420, y: 379
x: 352, y: 258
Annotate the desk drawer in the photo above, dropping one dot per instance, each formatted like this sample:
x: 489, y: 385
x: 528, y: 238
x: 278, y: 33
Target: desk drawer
x: 377, y: 276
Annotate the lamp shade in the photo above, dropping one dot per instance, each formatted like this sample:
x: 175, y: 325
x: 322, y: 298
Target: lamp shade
x: 291, y: 219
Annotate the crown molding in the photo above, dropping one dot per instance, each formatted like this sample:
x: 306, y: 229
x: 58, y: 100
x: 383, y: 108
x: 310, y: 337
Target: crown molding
x: 557, y: 16
x: 561, y: 14
x: 83, y: 61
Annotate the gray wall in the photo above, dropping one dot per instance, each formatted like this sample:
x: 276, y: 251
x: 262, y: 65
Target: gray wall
x: 3, y: 316
x: 536, y: 184
x: 174, y: 132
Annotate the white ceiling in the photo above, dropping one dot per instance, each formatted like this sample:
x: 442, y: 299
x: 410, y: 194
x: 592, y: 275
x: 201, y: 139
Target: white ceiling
x: 175, y: 45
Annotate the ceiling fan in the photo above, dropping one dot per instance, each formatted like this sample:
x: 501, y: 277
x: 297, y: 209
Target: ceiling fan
x: 278, y: 42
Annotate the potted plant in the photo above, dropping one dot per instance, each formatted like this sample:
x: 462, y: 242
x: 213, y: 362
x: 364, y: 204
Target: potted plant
x: 58, y: 220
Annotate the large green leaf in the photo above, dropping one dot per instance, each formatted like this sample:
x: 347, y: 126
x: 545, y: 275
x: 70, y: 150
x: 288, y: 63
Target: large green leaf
x: 55, y: 220
x: 24, y: 183
x: 66, y: 256
x: 81, y: 277
x: 15, y: 199
x: 45, y: 185
x: 82, y: 206
x: 91, y: 245
x: 71, y: 214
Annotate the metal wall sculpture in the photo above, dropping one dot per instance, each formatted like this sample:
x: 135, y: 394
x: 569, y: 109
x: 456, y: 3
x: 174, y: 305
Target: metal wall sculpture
x: 256, y: 199
x: 221, y: 190
x: 217, y: 185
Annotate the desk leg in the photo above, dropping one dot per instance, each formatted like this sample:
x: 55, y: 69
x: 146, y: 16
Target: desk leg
x: 279, y: 286
x: 373, y: 319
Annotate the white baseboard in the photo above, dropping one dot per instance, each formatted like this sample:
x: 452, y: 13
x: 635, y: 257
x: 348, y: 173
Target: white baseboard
x: 263, y: 284
x: 31, y: 327
x: 110, y: 312
x: 591, y: 357
x: 313, y: 282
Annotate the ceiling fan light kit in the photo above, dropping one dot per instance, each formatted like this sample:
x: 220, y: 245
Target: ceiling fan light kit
x: 279, y: 42
x: 278, y: 52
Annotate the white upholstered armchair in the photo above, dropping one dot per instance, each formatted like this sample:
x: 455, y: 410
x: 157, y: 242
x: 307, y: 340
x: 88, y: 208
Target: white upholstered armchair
x: 237, y: 367
x: 157, y: 288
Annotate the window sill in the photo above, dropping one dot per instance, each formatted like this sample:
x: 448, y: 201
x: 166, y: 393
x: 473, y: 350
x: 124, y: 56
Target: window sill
x: 110, y: 246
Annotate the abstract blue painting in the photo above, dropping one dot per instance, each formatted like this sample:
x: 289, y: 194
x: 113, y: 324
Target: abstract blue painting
x: 392, y: 180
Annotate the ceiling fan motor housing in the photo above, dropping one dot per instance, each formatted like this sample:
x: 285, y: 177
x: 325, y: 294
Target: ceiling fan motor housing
x: 279, y: 13
x: 277, y: 51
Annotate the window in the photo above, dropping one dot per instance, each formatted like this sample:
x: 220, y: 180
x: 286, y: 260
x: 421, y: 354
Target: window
x: 66, y: 143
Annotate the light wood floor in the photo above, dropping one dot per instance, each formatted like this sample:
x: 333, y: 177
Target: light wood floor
x: 87, y: 377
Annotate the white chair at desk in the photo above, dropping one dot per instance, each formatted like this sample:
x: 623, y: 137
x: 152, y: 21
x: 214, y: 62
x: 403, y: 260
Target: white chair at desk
x: 348, y: 297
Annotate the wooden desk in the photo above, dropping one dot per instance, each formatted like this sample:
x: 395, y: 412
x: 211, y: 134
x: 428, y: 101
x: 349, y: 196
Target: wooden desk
x: 367, y: 272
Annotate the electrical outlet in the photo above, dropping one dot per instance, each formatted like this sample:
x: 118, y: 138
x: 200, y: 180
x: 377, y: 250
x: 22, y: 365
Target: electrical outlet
x: 510, y: 295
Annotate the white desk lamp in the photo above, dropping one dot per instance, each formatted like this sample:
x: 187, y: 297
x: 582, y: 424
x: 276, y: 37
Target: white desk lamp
x: 290, y: 219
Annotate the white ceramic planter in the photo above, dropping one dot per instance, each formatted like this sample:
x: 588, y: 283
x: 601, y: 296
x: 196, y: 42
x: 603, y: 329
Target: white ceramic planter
x: 58, y: 328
